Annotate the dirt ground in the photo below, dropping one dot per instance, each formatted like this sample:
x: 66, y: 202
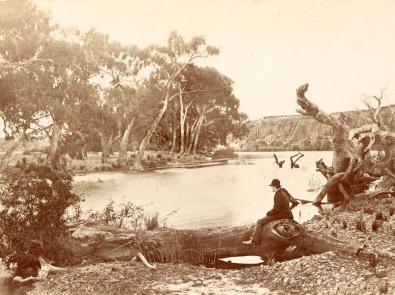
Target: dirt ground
x: 328, y: 273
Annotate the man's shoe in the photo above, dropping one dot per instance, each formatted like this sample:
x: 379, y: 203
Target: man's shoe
x: 249, y: 242
x: 290, y: 248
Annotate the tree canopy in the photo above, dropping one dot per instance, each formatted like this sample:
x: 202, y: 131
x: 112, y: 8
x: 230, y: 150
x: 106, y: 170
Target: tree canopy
x: 69, y: 85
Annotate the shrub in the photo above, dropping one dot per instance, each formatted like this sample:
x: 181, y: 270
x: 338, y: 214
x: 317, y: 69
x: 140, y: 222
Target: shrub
x: 224, y: 153
x: 126, y: 215
x: 152, y: 222
x: 33, y: 206
x: 376, y: 224
x: 381, y: 216
x: 368, y: 210
x: 361, y: 226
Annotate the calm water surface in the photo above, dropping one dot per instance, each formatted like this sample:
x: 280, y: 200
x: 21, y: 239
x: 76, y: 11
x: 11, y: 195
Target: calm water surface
x: 226, y: 195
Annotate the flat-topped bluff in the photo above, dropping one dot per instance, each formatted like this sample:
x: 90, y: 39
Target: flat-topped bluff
x: 296, y: 132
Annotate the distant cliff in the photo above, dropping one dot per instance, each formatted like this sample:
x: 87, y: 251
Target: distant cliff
x: 303, y: 133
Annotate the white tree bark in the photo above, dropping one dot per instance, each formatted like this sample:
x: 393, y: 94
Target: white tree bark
x: 122, y: 157
x: 53, y: 148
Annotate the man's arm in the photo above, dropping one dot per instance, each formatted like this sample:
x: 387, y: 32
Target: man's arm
x: 291, y: 199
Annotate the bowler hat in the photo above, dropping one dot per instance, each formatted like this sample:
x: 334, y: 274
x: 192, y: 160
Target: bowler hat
x: 275, y: 182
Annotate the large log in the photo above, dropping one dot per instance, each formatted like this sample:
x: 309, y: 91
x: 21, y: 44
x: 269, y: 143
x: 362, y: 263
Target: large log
x: 206, y: 246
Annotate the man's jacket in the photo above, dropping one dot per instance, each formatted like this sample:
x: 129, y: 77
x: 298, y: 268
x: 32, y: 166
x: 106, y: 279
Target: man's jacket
x: 281, y: 207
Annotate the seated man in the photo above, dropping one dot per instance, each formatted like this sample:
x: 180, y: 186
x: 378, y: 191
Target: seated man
x: 281, y: 210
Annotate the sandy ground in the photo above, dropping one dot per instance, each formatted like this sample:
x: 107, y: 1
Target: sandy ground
x: 327, y: 273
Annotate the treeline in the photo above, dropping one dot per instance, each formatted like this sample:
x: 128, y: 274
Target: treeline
x: 318, y: 144
x: 85, y: 92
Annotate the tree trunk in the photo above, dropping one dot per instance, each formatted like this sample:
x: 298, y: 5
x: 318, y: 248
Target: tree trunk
x: 207, y: 246
x: 107, y: 145
x: 354, y: 164
x: 105, y: 149
x: 15, y: 144
x: 82, y: 154
x: 192, y: 135
x: 8, y: 154
x: 53, y: 148
x: 196, y: 139
x: 143, y: 145
x: 187, y: 137
x: 182, y: 133
x: 174, y: 137
x: 123, y: 147
x: 183, y: 118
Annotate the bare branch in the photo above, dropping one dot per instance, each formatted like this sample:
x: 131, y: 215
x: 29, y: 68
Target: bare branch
x: 312, y: 110
x: 279, y: 163
x: 376, y: 117
x: 182, y: 92
x: 334, y: 180
x: 35, y: 58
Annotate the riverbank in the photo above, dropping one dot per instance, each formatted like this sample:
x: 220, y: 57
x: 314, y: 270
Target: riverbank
x: 327, y: 273
x: 153, y: 160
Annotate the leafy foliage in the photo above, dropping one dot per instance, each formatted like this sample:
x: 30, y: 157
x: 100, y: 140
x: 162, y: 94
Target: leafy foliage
x: 33, y: 207
x: 85, y: 92
x: 152, y: 222
x: 224, y: 153
x: 125, y: 215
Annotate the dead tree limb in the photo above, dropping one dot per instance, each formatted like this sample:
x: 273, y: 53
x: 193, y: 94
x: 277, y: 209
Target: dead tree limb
x: 352, y: 159
x: 293, y: 162
x: 326, y: 171
x: 279, y: 163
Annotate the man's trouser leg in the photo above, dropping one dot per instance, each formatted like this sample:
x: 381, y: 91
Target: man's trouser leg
x: 256, y: 235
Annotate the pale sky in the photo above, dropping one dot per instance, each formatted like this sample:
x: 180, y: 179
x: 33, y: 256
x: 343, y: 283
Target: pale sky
x: 344, y: 49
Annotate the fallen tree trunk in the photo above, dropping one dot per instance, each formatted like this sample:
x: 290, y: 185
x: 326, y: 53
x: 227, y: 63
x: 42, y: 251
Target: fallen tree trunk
x: 207, y: 246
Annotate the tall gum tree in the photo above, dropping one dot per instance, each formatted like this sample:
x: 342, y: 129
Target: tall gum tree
x: 118, y: 78
x: 212, y: 109
x: 50, y: 68
x: 169, y: 62
x: 62, y: 87
x: 24, y: 33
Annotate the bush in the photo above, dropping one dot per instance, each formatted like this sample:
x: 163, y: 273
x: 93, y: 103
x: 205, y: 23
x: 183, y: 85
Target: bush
x: 224, y: 153
x: 126, y: 215
x: 152, y: 222
x: 33, y: 206
x: 153, y: 163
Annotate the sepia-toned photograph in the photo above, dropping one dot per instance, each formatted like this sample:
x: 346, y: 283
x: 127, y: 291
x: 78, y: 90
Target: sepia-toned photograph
x: 197, y: 147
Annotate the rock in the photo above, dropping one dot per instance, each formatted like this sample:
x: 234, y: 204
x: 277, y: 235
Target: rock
x: 333, y: 232
x: 381, y: 274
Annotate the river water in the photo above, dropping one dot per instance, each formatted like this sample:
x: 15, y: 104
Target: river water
x: 227, y: 195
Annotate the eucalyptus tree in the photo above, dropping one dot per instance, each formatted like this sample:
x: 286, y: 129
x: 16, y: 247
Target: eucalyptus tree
x: 62, y: 87
x: 119, y: 78
x: 167, y: 64
x: 50, y: 70
x: 213, y: 109
x: 24, y: 35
